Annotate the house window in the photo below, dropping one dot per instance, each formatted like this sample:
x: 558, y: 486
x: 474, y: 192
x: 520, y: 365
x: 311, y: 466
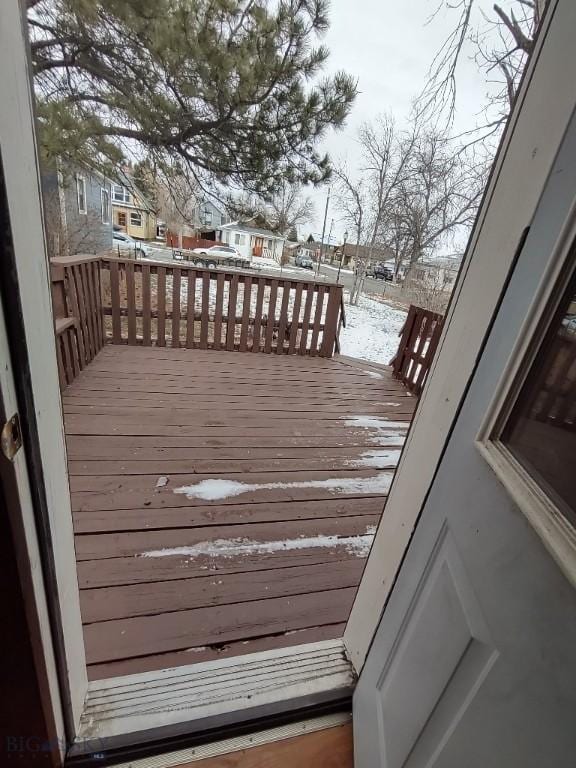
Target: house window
x: 121, y: 218
x: 105, y: 205
x: 541, y: 430
x: 81, y: 194
x: 120, y: 194
x: 207, y: 217
x: 135, y: 218
x: 239, y: 239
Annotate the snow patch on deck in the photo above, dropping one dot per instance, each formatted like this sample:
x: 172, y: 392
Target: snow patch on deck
x: 374, y: 422
x: 373, y: 374
x: 227, y: 548
x: 376, y: 459
x: 215, y: 489
x: 383, y: 431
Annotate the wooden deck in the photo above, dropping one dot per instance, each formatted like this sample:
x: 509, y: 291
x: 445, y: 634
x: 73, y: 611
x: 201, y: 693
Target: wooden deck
x: 223, y: 503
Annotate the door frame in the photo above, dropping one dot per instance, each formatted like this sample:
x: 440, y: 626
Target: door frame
x: 534, y: 132
x: 34, y: 385
x: 542, y: 111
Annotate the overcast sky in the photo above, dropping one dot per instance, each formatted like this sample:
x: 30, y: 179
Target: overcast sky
x: 388, y: 46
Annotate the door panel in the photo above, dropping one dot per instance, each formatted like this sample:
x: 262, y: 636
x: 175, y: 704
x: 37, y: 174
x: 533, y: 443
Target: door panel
x: 473, y: 663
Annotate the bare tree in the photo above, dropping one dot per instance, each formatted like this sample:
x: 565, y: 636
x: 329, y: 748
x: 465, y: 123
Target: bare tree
x: 414, y: 191
x: 284, y: 211
x: 352, y: 202
x: 289, y: 208
x: 435, y: 200
x: 177, y: 199
x: 500, y: 45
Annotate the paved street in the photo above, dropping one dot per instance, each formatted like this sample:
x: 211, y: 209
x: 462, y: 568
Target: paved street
x: 328, y: 273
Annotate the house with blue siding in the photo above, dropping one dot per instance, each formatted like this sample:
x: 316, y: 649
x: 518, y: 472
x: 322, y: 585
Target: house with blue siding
x: 77, y: 205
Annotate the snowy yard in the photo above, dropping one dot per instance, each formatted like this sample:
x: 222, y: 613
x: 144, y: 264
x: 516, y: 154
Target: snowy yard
x: 371, y: 331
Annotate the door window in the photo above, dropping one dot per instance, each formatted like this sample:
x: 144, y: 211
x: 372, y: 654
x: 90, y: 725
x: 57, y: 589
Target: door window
x: 541, y: 430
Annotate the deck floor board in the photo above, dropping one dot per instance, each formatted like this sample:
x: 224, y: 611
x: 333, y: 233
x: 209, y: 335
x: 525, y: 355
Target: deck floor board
x: 223, y: 503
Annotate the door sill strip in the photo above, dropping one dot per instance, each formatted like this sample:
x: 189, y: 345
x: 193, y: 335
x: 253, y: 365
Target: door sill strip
x: 197, y: 697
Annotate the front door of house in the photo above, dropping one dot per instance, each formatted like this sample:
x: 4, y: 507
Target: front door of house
x: 474, y: 664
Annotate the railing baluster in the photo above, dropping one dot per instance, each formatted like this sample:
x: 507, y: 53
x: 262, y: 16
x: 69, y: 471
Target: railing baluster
x: 205, y: 310
x: 190, y: 308
x: 317, y: 320
x: 131, y: 302
x: 295, y: 319
x: 161, y: 307
x: 84, y: 309
x: 271, y: 316
x: 231, y: 326
x: 218, y: 310
x: 306, y: 318
x: 94, y: 307
x: 146, y: 306
x: 115, y: 302
x: 283, y: 322
x: 98, y: 298
x: 91, y: 306
x: 246, y: 307
x: 258, y: 314
x: 176, y: 307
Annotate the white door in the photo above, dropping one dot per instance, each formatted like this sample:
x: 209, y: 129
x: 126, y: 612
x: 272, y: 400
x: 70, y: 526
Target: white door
x: 473, y: 664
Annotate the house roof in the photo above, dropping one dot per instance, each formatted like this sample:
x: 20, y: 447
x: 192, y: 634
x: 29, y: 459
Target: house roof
x: 127, y: 180
x: 328, y: 239
x: 239, y: 226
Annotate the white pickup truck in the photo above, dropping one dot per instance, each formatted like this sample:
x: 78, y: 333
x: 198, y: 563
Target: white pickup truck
x: 225, y: 255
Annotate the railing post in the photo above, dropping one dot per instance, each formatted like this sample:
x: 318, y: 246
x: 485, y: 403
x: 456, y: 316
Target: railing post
x: 331, y: 321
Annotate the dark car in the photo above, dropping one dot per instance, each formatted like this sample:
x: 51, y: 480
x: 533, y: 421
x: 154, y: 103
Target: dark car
x: 381, y: 272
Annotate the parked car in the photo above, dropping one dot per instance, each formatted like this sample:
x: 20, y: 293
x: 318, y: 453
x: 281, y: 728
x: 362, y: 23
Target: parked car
x: 381, y: 272
x: 304, y: 260
x: 219, y: 254
x: 127, y: 246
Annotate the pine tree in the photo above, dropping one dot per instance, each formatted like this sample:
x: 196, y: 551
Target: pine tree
x: 227, y: 88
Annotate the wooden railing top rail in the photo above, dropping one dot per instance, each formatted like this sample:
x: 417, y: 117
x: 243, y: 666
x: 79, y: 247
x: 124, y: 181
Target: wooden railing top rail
x: 419, y: 339
x: 229, y: 273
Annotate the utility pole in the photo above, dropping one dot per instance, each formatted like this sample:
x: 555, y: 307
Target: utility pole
x: 323, y: 233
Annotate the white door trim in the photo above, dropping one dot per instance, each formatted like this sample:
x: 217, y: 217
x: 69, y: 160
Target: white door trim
x: 545, y: 102
x: 19, y: 158
x: 28, y: 552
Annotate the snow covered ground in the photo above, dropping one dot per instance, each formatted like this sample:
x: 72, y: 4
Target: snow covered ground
x: 371, y: 331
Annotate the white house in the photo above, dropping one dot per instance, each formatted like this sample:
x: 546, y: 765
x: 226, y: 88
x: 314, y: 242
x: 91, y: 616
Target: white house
x: 252, y: 241
x: 439, y: 273
x: 301, y: 249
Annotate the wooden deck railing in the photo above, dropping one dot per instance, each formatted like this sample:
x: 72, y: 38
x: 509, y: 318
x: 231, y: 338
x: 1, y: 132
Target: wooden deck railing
x: 77, y: 310
x: 184, y: 306
x: 418, y: 341
x: 143, y: 303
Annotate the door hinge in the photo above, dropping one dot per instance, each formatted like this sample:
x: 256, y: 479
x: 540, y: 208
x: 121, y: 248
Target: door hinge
x: 11, y: 437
